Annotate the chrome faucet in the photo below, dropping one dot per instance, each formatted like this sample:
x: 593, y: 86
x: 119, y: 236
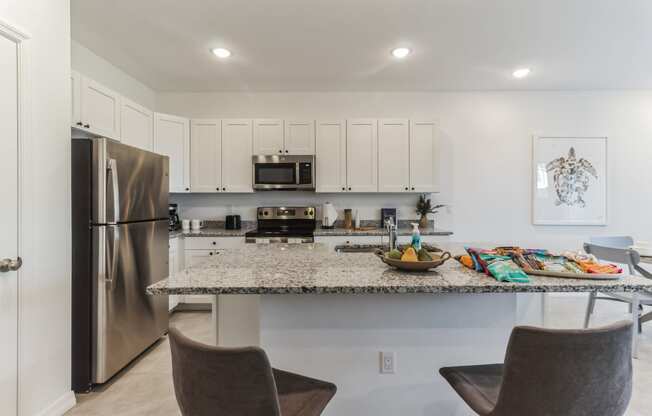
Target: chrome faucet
x: 391, y: 232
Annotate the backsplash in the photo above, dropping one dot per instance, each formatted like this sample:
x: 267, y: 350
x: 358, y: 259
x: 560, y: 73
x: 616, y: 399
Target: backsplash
x: 217, y: 206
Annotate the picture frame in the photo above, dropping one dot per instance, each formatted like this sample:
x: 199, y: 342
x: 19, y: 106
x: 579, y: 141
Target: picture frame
x: 569, y: 180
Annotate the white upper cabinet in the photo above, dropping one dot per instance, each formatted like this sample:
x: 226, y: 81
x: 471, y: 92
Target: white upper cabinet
x: 268, y: 137
x: 75, y: 94
x: 362, y: 155
x: 100, y: 109
x: 424, y: 166
x: 206, y: 155
x: 300, y: 137
x: 171, y: 138
x: 137, y: 125
x: 237, y: 151
x: 331, y: 156
x: 393, y: 155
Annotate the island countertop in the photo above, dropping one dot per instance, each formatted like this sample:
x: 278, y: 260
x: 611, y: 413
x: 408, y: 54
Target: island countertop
x: 316, y: 269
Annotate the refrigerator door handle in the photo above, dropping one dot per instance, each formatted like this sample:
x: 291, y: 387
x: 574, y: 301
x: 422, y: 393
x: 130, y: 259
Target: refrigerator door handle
x: 113, y: 167
x: 112, y: 256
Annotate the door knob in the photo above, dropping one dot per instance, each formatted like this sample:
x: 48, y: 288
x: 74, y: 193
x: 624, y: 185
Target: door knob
x: 9, y: 265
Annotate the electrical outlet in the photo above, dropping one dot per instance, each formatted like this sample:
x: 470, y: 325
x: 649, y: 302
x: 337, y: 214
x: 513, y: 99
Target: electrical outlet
x: 387, y: 362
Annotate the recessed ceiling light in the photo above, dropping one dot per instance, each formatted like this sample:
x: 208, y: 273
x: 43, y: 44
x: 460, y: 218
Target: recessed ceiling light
x: 221, y: 52
x: 401, y: 52
x: 521, y: 73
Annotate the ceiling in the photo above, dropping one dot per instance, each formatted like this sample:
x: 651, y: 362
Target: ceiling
x: 322, y: 45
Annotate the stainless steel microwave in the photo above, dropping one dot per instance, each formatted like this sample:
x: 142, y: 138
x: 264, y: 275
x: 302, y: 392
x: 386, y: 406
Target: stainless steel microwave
x: 272, y: 172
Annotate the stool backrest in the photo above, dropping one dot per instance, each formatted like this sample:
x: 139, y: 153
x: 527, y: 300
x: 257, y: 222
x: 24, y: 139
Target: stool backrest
x: 221, y: 381
x: 624, y: 241
x: 617, y: 255
x: 567, y: 372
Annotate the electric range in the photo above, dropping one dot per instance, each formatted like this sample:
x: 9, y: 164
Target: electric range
x: 284, y: 225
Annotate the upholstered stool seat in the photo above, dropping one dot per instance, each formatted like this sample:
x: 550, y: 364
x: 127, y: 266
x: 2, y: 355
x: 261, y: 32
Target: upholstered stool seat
x: 552, y: 372
x: 214, y: 381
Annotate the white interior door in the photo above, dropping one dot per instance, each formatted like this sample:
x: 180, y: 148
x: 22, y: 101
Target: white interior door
x: 393, y: 155
x: 8, y: 224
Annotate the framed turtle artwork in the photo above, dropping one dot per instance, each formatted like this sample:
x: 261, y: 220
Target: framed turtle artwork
x: 569, y: 181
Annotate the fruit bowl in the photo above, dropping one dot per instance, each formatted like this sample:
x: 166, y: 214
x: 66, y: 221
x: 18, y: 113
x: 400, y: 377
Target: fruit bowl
x: 414, y: 266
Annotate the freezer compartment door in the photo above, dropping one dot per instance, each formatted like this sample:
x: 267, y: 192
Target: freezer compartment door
x: 128, y: 258
x: 130, y: 184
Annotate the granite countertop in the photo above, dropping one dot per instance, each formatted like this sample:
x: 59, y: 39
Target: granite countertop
x: 215, y: 231
x: 401, y: 231
x: 317, y: 269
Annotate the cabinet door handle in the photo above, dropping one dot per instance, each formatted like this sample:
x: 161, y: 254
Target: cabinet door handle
x: 87, y: 126
x: 406, y: 188
x: 286, y: 151
x: 413, y: 188
x: 79, y: 123
x: 280, y: 151
x: 214, y: 243
x: 349, y: 188
x: 187, y: 189
x: 210, y: 254
x: 224, y: 189
x: 344, y: 188
x: 217, y: 189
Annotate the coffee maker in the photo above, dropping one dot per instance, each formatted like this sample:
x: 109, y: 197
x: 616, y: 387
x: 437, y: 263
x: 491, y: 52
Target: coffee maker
x: 173, y: 222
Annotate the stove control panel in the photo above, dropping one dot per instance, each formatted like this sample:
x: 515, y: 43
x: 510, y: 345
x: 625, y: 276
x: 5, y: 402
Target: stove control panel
x: 286, y: 213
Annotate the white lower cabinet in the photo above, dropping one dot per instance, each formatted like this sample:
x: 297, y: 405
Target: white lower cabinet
x: 175, y: 264
x: 332, y: 241
x: 200, y: 249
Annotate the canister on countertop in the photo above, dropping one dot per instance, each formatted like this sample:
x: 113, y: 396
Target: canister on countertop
x: 348, y: 219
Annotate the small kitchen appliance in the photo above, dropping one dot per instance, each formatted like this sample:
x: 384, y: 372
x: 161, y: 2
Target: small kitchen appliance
x: 328, y: 216
x: 278, y: 172
x: 233, y: 222
x: 283, y: 225
x: 174, y: 223
x: 386, y: 213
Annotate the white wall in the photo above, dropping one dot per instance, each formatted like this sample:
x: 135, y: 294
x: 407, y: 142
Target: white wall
x: 44, y: 334
x: 486, y: 151
x: 104, y: 72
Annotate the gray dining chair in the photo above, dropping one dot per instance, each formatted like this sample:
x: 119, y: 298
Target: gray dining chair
x: 214, y: 381
x: 621, y: 254
x: 586, y: 372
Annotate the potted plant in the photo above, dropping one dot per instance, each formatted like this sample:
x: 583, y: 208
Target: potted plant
x: 425, y: 207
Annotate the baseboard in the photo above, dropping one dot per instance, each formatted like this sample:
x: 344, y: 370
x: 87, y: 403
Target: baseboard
x: 60, y: 406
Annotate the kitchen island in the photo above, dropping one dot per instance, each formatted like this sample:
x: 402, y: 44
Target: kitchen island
x: 329, y: 315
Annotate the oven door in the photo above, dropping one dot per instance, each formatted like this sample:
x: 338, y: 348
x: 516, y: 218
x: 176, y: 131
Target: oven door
x: 275, y: 175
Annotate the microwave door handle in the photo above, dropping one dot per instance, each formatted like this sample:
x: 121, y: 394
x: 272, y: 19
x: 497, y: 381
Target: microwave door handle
x: 298, y: 173
x: 113, y: 167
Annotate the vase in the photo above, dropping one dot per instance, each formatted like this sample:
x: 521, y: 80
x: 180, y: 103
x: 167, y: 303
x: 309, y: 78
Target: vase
x: 423, y: 222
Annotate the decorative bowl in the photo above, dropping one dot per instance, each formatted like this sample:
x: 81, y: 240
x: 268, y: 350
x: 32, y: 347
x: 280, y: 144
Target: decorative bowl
x: 414, y: 266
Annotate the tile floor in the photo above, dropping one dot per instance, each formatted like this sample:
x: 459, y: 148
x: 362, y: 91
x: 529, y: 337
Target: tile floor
x: 145, y: 387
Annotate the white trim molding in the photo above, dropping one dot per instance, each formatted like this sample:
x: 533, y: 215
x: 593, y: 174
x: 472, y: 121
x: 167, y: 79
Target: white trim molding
x: 60, y: 406
x: 25, y: 190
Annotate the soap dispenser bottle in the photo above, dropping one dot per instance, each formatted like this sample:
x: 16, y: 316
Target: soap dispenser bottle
x: 416, y: 237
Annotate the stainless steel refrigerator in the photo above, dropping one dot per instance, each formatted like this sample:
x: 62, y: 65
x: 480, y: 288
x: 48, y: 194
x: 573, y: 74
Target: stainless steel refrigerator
x: 119, y: 247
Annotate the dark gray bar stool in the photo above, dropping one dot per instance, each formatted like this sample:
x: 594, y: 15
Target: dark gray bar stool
x: 552, y: 372
x: 240, y: 382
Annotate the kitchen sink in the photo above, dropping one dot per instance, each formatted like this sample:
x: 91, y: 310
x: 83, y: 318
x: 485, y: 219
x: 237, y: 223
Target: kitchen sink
x: 370, y: 248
